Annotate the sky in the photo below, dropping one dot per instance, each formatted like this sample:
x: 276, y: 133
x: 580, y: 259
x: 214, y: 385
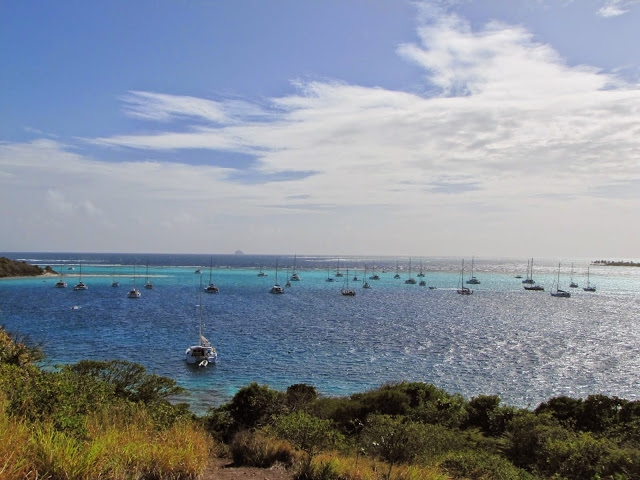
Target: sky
x: 492, y: 128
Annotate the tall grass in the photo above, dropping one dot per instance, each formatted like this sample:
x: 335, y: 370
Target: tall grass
x: 119, y: 450
x: 327, y: 466
x: 14, y: 447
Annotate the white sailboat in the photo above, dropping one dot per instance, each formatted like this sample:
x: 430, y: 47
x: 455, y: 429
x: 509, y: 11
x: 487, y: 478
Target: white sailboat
x: 61, y: 283
x: 203, y: 353
x: 589, y: 287
x: 346, y: 291
x: 338, y: 273
x: 572, y: 284
x: 473, y: 280
x: 421, y: 274
x: 558, y: 292
x: 277, y: 288
x: 81, y: 285
x: 462, y: 290
x: 287, y: 283
x: 211, y: 288
x: 114, y: 282
x: 365, y: 284
x: 147, y: 284
x: 134, y: 293
x: 397, y: 275
x: 529, y: 282
x: 294, y: 275
x: 410, y: 280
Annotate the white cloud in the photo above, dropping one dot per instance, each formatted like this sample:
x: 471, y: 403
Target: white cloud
x: 615, y: 8
x: 511, y: 142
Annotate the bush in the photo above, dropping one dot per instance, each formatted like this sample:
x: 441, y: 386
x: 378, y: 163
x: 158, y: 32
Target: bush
x: 15, y: 350
x: 254, y: 406
x: 307, y: 433
x: 394, y: 439
x: 474, y: 465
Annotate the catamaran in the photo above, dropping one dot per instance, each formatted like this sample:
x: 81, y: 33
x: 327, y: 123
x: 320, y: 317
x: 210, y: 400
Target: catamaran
x: 203, y: 353
x: 211, y: 288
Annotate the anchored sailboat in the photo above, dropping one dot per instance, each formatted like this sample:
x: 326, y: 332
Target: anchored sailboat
x: 462, y: 290
x: 211, y: 288
x: 203, y: 353
x: 557, y: 292
x: 346, y: 291
x: 277, y: 288
x: 589, y: 287
x: 472, y: 280
x: 81, y: 285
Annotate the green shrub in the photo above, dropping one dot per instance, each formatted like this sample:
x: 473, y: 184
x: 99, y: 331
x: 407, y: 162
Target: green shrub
x: 254, y: 406
x: 393, y: 439
x: 307, y: 433
x: 474, y: 465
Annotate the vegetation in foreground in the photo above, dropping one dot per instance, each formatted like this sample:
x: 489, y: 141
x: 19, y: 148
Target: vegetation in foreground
x: 113, y: 420
x: 13, y: 268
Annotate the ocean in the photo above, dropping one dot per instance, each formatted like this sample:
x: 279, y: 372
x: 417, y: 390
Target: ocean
x: 524, y: 346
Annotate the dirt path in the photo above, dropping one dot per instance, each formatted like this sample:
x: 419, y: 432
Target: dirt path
x: 223, y: 469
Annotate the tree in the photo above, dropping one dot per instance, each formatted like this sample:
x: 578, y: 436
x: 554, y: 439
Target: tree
x: 393, y: 439
x: 129, y: 380
x: 15, y: 351
x: 254, y: 405
x: 307, y: 433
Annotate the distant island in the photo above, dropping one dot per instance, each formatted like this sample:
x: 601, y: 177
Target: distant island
x: 13, y: 268
x: 615, y: 263
x: 239, y: 252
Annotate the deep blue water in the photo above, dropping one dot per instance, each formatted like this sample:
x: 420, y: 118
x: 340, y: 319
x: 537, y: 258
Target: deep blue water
x: 523, y: 346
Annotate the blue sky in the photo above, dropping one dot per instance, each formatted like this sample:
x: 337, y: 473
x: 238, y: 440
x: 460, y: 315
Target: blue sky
x: 486, y: 128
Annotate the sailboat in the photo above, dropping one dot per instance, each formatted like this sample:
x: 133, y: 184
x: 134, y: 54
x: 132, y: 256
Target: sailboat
x: 346, y: 291
x: 277, y: 288
x: 423, y: 282
x: 374, y: 275
x: 294, y: 275
x: 329, y: 279
x: 133, y: 293
x: 365, y: 284
x: 572, y: 284
x: 557, y: 292
x: 114, y: 282
x: 472, y: 280
x: 529, y: 282
x: 421, y: 274
x: 261, y: 273
x: 462, y: 290
x: 147, y: 284
x: 203, y: 353
x: 397, y: 275
x: 81, y: 285
x: 338, y: 273
x: 211, y: 288
x: 410, y: 280
x: 61, y: 283
x: 589, y: 287
x: 287, y: 283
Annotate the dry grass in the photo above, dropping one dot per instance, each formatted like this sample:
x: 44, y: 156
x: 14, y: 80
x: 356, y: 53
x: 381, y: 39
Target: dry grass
x: 120, y: 450
x: 328, y: 465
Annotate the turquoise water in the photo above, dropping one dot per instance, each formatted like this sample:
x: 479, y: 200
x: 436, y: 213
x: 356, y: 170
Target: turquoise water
x: 524, y: 346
